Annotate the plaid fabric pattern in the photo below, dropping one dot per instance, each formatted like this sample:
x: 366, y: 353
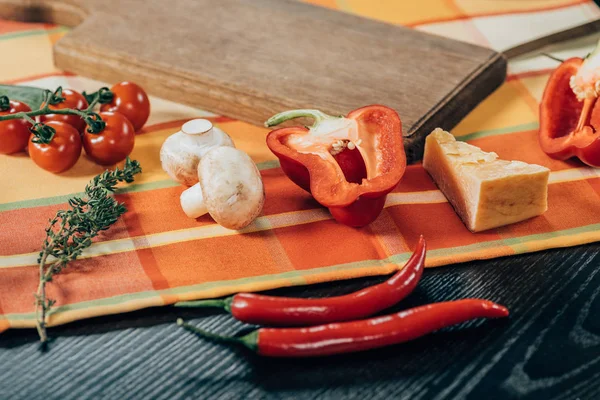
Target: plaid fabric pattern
x: 157, y: 256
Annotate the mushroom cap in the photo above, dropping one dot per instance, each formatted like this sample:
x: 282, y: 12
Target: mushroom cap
x: 181, y: 152
x: 232, y: 187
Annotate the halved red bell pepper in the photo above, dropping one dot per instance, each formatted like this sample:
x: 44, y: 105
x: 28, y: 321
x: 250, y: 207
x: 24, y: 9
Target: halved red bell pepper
x: 570, y: 112
x: 348, y: 164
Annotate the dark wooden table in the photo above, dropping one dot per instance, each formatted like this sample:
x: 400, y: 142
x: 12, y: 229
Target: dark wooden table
x: 548, y: 349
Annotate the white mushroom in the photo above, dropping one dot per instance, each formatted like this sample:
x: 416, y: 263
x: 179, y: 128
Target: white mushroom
x: 181, y: 152
x: 192, y: 201
x: 230, y: 189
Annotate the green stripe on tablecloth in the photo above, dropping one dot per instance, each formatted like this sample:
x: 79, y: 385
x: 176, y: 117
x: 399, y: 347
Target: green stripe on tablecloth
x: 499, y: 131
x: 49, y: 201
x: 35, y: 32
x: 132, y: 188
x: 261, y: 166
x: 298, y: 277
x: 294, y: 277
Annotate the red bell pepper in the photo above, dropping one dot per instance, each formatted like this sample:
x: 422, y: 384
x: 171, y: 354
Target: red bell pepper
x: 348, y: 164
x: 570, y: 112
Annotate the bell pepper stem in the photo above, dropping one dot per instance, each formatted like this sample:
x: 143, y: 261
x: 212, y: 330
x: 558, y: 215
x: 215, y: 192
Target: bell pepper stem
x: 316, y: 115
x: 250, y: 340
x: 225, y: 304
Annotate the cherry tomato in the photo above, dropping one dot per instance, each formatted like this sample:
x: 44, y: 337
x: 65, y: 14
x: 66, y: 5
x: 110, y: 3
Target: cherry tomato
x: 14, y: 133
x: 114, y: 143
x: 131, y: 101
x: 74, y: 100
x: 61, y: 153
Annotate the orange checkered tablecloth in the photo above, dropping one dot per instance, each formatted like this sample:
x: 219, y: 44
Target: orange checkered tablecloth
x: 155, y: 255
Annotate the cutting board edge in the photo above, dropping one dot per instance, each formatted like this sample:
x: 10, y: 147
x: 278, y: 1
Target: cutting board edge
x: 448, y: 113
x: 62, y: 12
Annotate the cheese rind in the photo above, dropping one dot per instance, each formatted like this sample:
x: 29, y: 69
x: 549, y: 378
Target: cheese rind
x: 486, y: 192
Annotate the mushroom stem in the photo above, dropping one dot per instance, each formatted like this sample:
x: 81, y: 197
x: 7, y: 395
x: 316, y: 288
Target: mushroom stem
x: 192, y: 201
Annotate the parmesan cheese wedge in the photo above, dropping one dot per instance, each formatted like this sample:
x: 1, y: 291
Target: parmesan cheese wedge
x: 485, y: 191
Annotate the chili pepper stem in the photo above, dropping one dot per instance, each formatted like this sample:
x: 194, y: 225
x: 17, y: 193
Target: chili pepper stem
x: 316, y: 115
x: 225, y: 304
x: 250, y: 340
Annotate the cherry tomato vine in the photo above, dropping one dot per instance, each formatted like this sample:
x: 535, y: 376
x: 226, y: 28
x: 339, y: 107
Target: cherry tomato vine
x: 44, y: 133
x: 110, y: 134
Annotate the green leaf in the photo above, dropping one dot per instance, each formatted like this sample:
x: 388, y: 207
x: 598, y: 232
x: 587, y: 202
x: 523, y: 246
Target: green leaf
x: 32, y: 96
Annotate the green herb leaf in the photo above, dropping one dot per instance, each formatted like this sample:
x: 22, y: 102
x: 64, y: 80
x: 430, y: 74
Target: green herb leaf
x: 71, y: 231
x: 32, y: 96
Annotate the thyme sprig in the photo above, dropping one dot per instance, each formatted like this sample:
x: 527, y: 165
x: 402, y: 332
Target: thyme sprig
x: 71, y: 231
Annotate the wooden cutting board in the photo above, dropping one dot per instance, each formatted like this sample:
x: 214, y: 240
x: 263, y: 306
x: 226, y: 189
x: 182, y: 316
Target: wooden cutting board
x: 249, y: 59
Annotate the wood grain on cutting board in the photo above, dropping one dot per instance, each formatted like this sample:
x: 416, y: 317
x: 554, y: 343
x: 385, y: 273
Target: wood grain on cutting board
x: 251, y: 59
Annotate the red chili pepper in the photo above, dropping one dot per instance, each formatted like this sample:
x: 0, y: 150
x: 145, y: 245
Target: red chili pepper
x: 285, y: 311
x: 348, y: 164
x: 347, y: 337
x: 569, y: 111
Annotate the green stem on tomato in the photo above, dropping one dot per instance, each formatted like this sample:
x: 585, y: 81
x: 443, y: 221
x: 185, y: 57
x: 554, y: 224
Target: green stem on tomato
x: 93, y: 120
x: 43, y: 111
x: 102, y: 96
x: 55, y: 97
x: 30, y: 120
x: 43, y: 133
x: 93, y: 104
x: 4, y: 103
